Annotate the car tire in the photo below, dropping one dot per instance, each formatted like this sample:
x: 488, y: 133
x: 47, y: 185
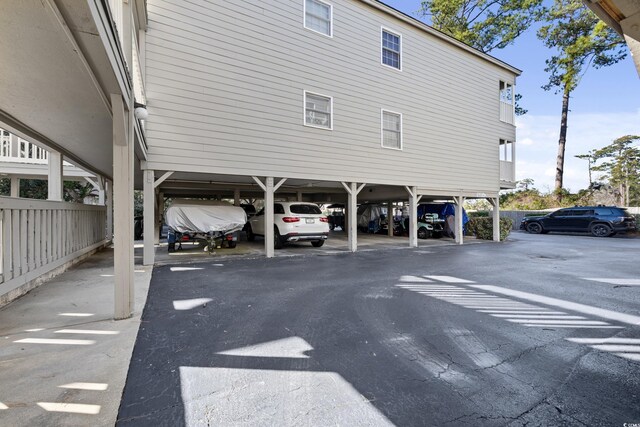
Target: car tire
x: 250, y: 236
x: 317, y: 243
x: 277, y: 239
x: 231, y: 244
x: 534, y: 228
x: 423, y: 233
x: 601, y: 230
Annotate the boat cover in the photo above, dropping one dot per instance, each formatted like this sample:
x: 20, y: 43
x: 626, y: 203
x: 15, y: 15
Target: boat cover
x: 203, y: 216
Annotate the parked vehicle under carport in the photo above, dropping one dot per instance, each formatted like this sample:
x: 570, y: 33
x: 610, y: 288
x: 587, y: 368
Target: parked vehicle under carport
x: 212, y: 222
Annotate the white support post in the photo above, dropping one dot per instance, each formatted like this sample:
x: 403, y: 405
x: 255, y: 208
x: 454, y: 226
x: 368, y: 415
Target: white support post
x: 269, y: 190
x: 352, y: 207
x: 413, y: 216
x: 55, y: 176
x: 299, y: 196
x: 123, y: 207
x: 236, y: 197
x: 458, y: 219
x: 15, y: 186
x: 269, y: 218
x: 101, y: 190
x: 109, y: 196
x: 495, y: 202
x: 390, y: 218
x: 149, y: 217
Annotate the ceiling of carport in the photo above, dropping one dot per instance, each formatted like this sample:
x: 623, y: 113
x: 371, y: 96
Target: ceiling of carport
x: 47, y: 88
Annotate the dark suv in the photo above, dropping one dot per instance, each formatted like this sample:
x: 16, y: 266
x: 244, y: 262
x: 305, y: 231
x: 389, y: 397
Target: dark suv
x: 601, y: 221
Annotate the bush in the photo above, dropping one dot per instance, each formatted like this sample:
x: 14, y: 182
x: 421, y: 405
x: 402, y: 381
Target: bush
x: 482, y: 227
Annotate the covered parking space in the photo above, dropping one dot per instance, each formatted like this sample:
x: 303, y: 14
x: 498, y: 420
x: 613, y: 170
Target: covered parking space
x: 160, y: 186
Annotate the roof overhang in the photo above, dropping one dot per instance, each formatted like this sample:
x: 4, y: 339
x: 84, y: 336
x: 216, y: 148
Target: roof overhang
x: 624, y: 17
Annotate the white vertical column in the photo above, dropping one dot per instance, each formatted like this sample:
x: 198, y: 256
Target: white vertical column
x: 390, y: 218
x: 101, y: 190
x: 123, y: 207
x: 299, y: 196
x: 458, y: 220
x: 268, y: 218
x: 149, y: 204
x: 413, y: 218
x: 236, y: 197
x: 496, y: 218
x: 55, y: 176
x: 108, y: 186
x: 15, y: 186
x: 352, y: 210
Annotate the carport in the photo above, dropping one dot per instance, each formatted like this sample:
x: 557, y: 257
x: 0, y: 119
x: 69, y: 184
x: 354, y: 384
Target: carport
x: 159, y: 185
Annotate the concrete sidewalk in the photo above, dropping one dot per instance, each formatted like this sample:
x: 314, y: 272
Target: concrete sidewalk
x: 63, y: 358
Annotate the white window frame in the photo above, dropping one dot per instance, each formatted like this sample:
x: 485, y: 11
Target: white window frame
x: 304, y: 110
x: 395, y: 33
x: 304, y: 18
x: 382, y: 111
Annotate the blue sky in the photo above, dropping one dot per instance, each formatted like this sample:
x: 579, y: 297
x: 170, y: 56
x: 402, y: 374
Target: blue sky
x: 606, y: 105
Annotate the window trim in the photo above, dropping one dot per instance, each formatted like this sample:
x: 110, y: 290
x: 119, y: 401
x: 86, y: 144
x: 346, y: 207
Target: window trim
x: 304, y: 110
x: 304, y: 18
x: 395, y: 33
x: 382, y: 111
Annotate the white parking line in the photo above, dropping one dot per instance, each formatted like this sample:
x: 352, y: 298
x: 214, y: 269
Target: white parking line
x: 626, y: 282
x: 568, y: 305
x: 449, y: 279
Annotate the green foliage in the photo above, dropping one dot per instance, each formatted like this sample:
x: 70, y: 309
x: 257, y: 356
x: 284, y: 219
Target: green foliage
x: 532, y: 199
x: 482, y: 227
x: 138, y: 203
x: 5, y: 186
x: 483, y: 24
x: 579, y: 39
x: 620, y: 164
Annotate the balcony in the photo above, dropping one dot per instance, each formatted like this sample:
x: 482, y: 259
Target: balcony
x: 507, y: 164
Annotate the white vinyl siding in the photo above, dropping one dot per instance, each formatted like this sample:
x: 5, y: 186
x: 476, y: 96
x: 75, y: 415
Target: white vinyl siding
x: 391, y: 130
x: 507, y: 103
x: 391, y: 49
x: 318, y: 110
x: 318, y: 17
x: 228, y: 101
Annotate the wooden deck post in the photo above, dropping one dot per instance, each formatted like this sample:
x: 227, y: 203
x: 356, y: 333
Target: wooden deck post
x: 123, y: 207
x: 149, y: 202
x: 55, y: 176
x: 15, y: 186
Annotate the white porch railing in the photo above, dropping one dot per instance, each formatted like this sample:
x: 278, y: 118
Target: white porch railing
x: 38, y: 236
x: 17, y: 150
x: 507, y: 171
x: 506, y: 112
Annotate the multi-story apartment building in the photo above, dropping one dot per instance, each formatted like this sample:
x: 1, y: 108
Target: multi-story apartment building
x: 323, y: 93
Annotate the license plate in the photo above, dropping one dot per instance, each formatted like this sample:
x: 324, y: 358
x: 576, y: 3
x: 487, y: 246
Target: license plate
x: 310, y: 221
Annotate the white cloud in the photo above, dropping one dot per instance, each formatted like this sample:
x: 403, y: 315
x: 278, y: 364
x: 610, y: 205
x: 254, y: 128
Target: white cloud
x: 537, y: 144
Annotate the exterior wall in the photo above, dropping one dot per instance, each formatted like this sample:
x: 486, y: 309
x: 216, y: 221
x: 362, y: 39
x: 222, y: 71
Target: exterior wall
x: 225, y: 84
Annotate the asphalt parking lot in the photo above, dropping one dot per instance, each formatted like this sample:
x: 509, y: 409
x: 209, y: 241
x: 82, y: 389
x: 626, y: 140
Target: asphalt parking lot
x: 540, y: 330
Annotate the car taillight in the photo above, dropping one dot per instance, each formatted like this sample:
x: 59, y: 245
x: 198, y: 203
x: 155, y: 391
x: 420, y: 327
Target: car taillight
x: 290, y: 219
x: 324, y: 219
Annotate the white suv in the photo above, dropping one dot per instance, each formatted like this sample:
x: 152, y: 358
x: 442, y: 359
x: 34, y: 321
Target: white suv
x: 293, y: 222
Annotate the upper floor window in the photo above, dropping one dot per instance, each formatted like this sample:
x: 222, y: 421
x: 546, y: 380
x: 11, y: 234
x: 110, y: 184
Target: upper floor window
x: 391, y: 49
x: 391, y: 130
x: 506, y: 102
x: 318, y: 110
x: 317, y: 17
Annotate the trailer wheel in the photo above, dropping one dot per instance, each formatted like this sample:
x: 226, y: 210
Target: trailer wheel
x: 231, y: 244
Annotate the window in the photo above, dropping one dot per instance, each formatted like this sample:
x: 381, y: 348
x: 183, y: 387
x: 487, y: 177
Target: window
x: 507, y: 106
x: 391, y: 130
x: 318, y: 17
x: 318, y: 110
x: 305, y: 209
x: 391, y: 49
x: 278, y: 209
